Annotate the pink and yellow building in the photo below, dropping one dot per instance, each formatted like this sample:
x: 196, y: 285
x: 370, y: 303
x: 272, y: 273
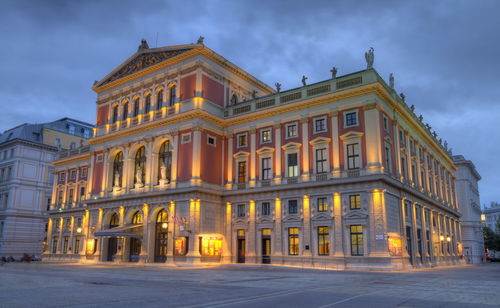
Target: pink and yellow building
x: 195, y: 160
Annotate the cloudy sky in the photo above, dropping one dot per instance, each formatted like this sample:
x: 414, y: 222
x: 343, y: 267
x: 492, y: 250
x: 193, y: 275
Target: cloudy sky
x: 445, y: 55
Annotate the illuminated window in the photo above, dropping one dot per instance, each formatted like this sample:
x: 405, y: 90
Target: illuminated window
x: 354, y: 202
x: 293, y: 241
x: 322, y: 205
x: 323, y: 241
x: 180, y: 246
x: 394, y: 246
x: 114, y: 221
x: 70, y: 196
x: 137, y: 218
x: 242, y: 140
x: 356, y: 240
x: 242, y: 172
x: 210, y: 247
x: 321, y: 163
x: 266, y: 209
x: 293, y: 167
x: 292, y: 207
x: 351, y: 118
x: 266, y: 168
x: 353, y: 156
x: 291, y: 130
x: 241, y: 210
x: 265, y: 136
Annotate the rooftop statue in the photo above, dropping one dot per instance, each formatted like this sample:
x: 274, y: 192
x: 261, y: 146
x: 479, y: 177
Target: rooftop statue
x: 403, y: 97
x: 420, y: 117
x: 200, y: 40
x: 278, y: 87
x: 254, y: 94
x: 304, y: 80
x: 334, y: 72
x: 369, y: 57
x: 412, y: 107
x: 144, y: 45
x: 391, y: 81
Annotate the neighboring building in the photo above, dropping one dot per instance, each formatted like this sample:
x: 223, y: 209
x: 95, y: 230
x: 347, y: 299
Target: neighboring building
x: 195, y: 160
x: 26, y: 180
x: 492, y: 216
x: 469, y: 206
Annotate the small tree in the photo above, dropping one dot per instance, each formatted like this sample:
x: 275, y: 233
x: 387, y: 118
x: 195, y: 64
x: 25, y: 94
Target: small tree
x: 491, y: 239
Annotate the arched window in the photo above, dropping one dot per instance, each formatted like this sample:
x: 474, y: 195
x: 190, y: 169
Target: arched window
x: 125, y: 111
x: 115, y: 114
x: 234, y: 99
x: 159, y: 100
x: 165, y: 162
x: 114, y: 221
x: 136, y: 107
x: 137, y: 218
x: 172, y: 96
x: 161, y: 237
x: 118, y: 170
x: 140, y: 166
x: 162, y: 217
x: 147, y: 104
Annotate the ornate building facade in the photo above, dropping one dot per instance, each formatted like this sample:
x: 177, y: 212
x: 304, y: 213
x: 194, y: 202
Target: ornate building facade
x: 195, y: 160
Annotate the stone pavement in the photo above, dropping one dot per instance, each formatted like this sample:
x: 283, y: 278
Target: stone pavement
x: 75, y: 285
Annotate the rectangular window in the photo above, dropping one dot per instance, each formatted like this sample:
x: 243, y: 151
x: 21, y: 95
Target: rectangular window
x: 84, y: 172
x: 292, y: 207
x: 242, y: 172
x: 322, y: 205
x: 414, y: 173
x: 54, y: 244
x: 351, y: 119
x: 59, y: 197
x: 403, y: 167
x: 124, y: 115
x: 82, y: 193
x: 293, y: 168
x: 72, y: 175
x: 321, y: 164
x: 76, y: 249
x: 265, y: 136
x: 401, y: 137
x: 320, y: 125
x: 291, y: 130
x: 386, y: 124
x: 62, y: 177
x: 241, y: 210
x: 293, y: 241
x: 323, y: 241
x: 353, y: 156
x: 65, y: 244
x: 211, y: 140
x: 70, y: 196
x: 356, y: 240
x: 266, y: 168
x: 266, y: 208
x: 354, y: 202
x: 136, y: 107
x: 388, y: 164
x: 242, y: 140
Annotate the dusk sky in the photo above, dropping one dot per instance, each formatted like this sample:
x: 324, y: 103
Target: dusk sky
x: 445, y: 55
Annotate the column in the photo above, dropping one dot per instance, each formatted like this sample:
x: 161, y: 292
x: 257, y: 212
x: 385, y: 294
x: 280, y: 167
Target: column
x: 336, y: 172
x: 90, y: 176
x: 432, y: 253
x: 404, y: 252
x: 60, y: 239
x: 100, y: 250
x: 278, y: 241
x: 378, y: 238
x: 307, y: 227
x: 414, y: 231
x: 128, y: 171
x: 373, y: 142
x: 277, y: 153
x: 194, y: 252
x: 305, y: 149
x: 146, y: 231
x: 251, y: 235
x: 175, y: 155
x: 171, y: 232
x: 106, y: 181
x: 149, y: 165
x: 50, y: 226
x: 253, y: 160
x: 424, y: 226
x: 338, y: 248
x: 71, y: 235
x: 397, y: 149
x: 227, y: 244
x: 196, y: 163
x: 229, y: 175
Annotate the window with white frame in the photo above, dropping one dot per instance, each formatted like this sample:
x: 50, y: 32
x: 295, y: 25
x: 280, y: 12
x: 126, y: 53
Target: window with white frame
x: 386, y: 124
x: 319, y: 125
x: 72, y: 174
x: 388, y: 159
x: 266, y: 168
x: 84, y: 172
x: 186, y: 138
x: 266, y: 208
x: 351, y: 118
x: 293, y: 164
x: 321, y: 161
x: 322, y: 205
x: 265, y: 136
x: 292, y: 130
x: 242, y: 172
x: 241, y: 210
x: 242, y: 140
x: 353, y: 156
x: 211, y: 140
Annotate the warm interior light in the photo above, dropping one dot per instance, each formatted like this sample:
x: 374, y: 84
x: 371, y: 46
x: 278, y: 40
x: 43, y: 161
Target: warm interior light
x: 441, y: 238
x: 79, y: 230
x: 448, y: 239
x: 164, y: 225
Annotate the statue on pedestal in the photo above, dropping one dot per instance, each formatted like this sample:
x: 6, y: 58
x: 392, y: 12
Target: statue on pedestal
x: 138, y: 176
x: 163, y: 171
x: 334, y: 72
x: 369, y: 57
x: 200, y: 40
x: 278, y: 87
x: 116, y: 179
x: 391, y: 81
x: 304, y: 80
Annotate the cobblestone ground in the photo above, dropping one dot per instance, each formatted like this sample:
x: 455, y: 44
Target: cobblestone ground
x: 74, y: 285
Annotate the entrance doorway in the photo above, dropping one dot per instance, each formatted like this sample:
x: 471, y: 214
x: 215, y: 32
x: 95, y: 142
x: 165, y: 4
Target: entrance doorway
x: 266, y: 246
x: 241, y: 246
x: 408, y: 243
x: 112, y: 248
x: 135, y: 249
x: 161, y: 235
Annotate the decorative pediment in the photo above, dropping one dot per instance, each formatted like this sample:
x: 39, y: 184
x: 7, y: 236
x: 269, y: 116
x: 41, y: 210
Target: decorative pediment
x: 142, y: 59
x: 263, y: 220
x: 351, y: 135
x: 356, y: 215
x: 241, y: 154
x: 265, y: 150
x: 292, y: 219
x: 320, y: 140
x: 291, y: 145
x: 322, y: 216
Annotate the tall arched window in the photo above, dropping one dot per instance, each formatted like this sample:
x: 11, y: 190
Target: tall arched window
x: 118, y: 170
x: 140, y: 166
x: 125, y: 111
x: 172, y: 96
x: 234, y: 99
x: 115, y: 114
x: 136, y: 107
x: 165, y: 162
x: 137, y: 218
x: 161, y: 237
x: 147, y: 104
x: 114, y: 221
x: 159, y: 100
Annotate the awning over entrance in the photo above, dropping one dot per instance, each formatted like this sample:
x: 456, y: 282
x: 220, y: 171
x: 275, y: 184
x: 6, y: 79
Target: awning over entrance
x: 126, y: 231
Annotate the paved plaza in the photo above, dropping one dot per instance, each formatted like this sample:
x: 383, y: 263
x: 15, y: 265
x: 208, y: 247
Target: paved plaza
x: 73, y: 285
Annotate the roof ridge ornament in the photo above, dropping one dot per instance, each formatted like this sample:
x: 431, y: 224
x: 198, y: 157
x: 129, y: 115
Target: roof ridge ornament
x: 144, y: 45
x: 370, y: 57
x: 200, y: 40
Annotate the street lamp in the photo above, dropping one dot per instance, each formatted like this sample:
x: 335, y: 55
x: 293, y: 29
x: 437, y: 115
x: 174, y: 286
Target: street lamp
x: 79, y: 230
x: 448, y: 239
x: 441, y: 238
x: 164, y: 225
